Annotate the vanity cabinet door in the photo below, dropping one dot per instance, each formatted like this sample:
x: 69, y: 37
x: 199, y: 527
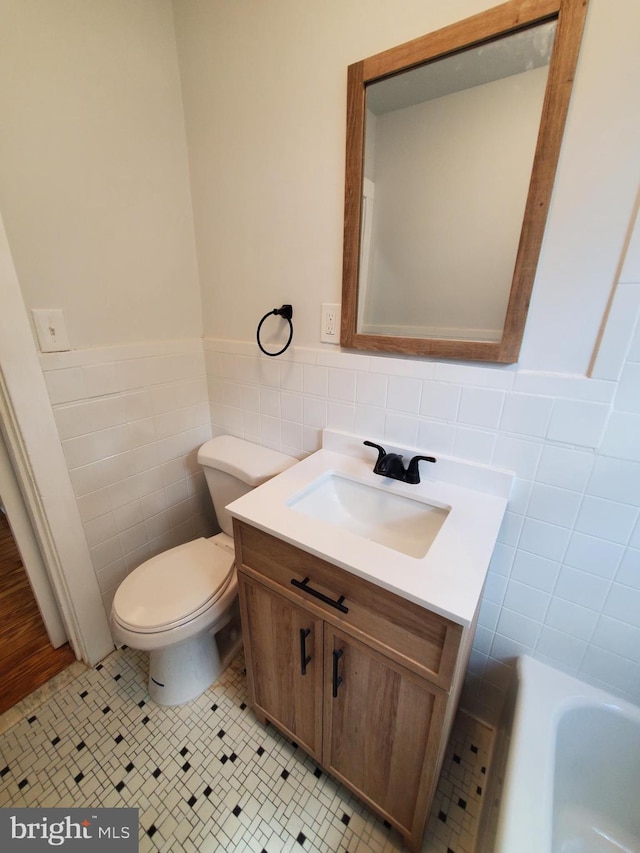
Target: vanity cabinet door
x: 283, y: 653
x: 382, y: 726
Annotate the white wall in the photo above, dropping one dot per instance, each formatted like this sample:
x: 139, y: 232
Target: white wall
x: 93, y: 167
x: 594, y: 194
x: 265, y: 99
x: 264, y: 88
x: 131, y: 420
x: 94, y: 190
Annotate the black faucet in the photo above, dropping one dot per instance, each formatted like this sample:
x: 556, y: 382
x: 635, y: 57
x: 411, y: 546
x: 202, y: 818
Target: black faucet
x: 391, y: 465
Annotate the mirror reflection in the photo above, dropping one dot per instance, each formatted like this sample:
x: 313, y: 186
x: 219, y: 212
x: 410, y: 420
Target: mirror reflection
x: 449, y: 149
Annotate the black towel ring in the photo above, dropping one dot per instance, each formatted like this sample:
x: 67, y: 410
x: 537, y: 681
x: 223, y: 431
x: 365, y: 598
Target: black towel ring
x: 285, y: 311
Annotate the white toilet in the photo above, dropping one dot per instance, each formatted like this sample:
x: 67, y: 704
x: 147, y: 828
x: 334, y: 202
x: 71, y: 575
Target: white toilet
x: 182, y: 605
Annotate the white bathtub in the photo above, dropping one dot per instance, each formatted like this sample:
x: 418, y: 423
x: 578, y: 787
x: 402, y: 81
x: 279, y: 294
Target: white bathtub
x: 571, y: 771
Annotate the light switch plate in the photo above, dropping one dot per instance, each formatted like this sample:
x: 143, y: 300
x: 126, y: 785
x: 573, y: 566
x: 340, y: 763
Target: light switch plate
x: 50, y: 329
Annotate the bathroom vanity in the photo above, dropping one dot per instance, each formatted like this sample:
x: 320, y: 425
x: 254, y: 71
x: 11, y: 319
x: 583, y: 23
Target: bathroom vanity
x: 354, y: 649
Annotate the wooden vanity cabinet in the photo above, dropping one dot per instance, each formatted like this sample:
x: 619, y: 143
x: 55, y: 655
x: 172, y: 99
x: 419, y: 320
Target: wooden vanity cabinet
x: 365, y: 681
x: 381, y: 729
x: 283, y: 688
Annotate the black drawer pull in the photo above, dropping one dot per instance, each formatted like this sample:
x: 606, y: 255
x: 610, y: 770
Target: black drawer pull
x: 337, y: 680
x: 304, y: 660
x: 304, y: 585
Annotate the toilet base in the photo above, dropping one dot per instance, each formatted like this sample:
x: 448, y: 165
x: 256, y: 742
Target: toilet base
x: 181, y: 672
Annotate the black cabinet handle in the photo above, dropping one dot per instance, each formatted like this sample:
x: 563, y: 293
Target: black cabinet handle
x: 337, y: 680
x: 304, y: 585
x: 304, y: 660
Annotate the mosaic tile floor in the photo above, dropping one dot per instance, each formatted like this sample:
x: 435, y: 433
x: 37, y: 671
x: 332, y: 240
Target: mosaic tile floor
x: 207, y: 777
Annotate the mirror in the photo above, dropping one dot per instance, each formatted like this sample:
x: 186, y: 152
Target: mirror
x: 452, y: 145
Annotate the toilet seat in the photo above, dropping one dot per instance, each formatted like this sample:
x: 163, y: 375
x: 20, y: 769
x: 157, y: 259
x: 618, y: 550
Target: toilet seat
x: 174, y: 588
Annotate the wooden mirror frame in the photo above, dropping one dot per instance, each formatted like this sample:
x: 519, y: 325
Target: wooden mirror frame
x: 486, y: 26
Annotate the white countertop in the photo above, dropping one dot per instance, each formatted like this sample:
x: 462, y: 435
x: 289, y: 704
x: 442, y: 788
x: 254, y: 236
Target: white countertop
x: 448, y: 579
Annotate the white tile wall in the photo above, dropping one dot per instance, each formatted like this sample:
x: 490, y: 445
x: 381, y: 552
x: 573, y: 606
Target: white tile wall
x: 564, y: 582
x: 130, y: 420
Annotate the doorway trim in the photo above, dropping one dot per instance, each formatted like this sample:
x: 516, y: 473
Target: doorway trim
x: 33, y: 445
x: 22, y: 530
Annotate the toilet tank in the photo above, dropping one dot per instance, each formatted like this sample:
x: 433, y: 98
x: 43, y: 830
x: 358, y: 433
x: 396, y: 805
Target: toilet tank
x: 233, y: 466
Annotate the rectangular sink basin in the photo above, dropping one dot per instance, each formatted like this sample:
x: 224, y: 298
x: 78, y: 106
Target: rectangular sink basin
x: 401, y: 523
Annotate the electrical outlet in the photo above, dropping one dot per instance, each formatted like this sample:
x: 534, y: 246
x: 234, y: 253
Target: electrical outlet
x: 330, y: 327
x: 50, y: 329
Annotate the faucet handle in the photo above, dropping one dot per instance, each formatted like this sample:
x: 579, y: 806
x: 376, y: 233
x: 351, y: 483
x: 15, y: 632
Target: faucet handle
x: 381, y: 451
x: 413, y: 472
x: 391, y: 465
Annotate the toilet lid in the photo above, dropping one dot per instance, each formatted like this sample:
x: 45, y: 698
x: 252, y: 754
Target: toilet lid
x: 173, y: 586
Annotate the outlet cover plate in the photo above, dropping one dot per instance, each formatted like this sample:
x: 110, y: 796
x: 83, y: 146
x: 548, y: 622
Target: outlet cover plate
x: 330, y: 324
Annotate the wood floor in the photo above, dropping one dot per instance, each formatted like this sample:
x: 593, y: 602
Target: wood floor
x: 27, y: 658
